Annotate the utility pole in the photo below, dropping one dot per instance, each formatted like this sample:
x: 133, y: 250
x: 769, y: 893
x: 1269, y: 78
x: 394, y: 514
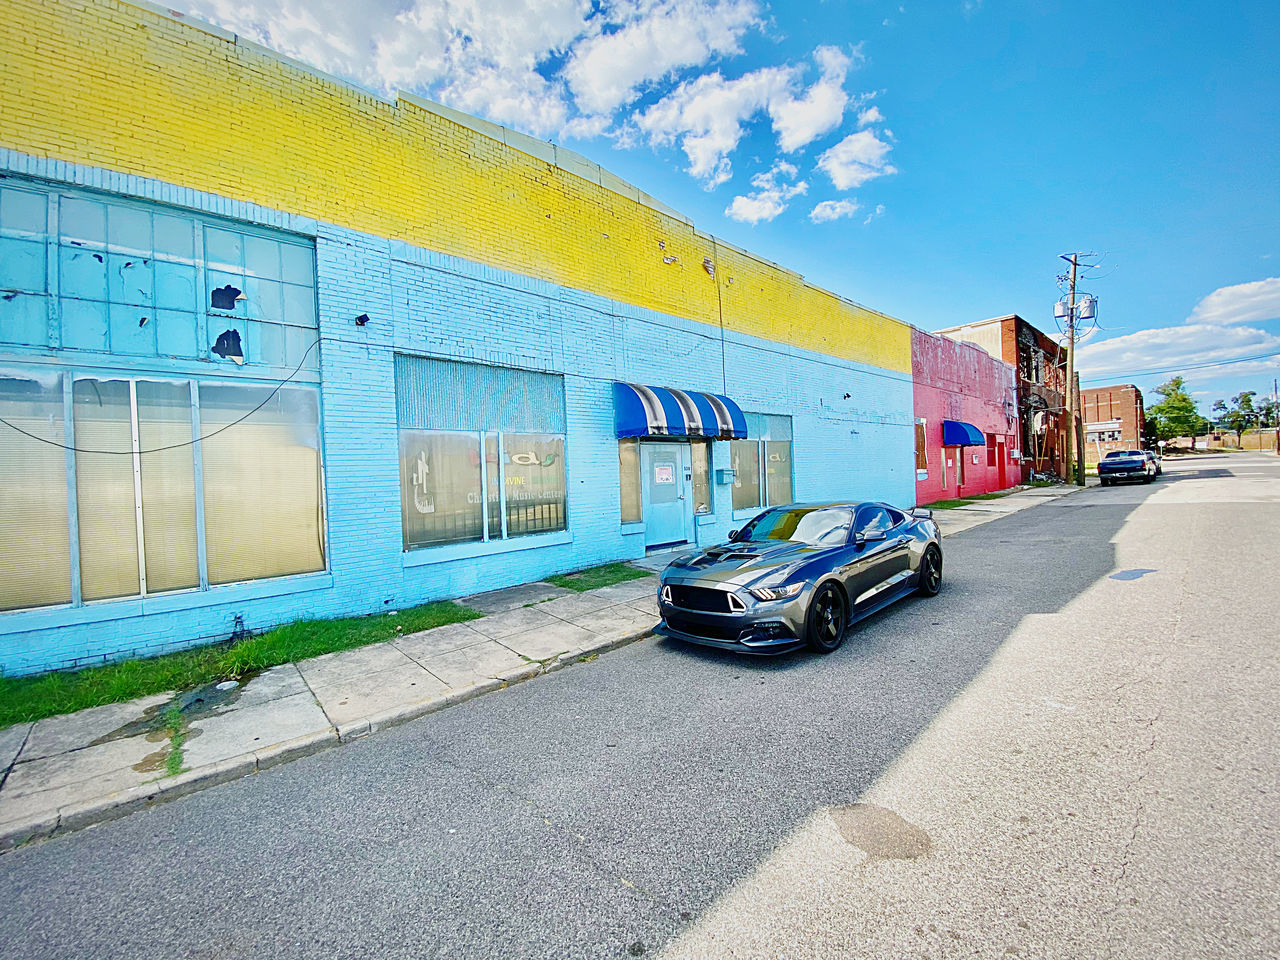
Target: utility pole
x: 1071, y: 372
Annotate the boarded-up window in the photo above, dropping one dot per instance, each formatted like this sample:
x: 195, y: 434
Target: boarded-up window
x: 33, y: 494
x: 991, y: 449
x: 629, y: 479
x: 922, y: 458
x: 263, y: 504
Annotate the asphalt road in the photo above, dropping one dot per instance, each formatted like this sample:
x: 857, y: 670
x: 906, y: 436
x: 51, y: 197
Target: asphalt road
x: 1045, y: 760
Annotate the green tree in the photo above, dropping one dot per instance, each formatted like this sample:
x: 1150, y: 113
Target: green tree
x: 1176, y: 415
x: 1268, y: 413
x: 1240, y: 415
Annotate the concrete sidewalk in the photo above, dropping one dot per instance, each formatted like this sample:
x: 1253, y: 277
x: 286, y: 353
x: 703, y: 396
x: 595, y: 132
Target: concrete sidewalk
x: 957, y: 519
x: 63, y: 773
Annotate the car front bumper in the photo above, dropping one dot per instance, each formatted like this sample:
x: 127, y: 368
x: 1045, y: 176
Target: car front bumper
x: 763, y: 629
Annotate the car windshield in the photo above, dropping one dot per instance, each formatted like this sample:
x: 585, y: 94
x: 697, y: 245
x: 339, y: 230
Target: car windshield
x: 1123, y: 453
x: 815, y: 525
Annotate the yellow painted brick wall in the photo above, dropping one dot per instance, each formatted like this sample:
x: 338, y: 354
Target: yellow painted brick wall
x: 105, y: 83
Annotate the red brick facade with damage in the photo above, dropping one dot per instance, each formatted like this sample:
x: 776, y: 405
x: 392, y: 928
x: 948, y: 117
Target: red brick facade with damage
x: 961, y: 383
x: 1039, y: 362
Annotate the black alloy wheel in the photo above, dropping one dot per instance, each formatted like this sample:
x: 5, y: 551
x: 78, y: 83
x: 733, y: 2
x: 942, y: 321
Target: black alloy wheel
x: 930, y: 578
x: 827, y: 619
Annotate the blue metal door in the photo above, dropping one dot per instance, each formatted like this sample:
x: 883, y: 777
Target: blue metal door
x: 668, y: 506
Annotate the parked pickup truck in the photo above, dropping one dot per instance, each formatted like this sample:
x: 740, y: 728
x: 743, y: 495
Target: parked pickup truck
x: 1121, y: 465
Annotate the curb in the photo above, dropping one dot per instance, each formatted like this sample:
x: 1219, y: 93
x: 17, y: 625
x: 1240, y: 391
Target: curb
x: 112, y: 806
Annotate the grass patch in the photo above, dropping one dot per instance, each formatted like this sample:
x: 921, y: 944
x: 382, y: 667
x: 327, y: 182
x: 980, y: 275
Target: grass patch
x: 595, y: 577
x: 945, y: 504
x: 988, y: 496
x: 23, y: 699
x: 1040, y: 484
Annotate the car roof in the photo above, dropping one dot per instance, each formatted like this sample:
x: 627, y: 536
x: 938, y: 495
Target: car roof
x: 847, y: 504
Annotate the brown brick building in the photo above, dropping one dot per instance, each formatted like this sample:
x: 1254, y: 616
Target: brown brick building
x: 1114, y: 419
x: 1042, y: 392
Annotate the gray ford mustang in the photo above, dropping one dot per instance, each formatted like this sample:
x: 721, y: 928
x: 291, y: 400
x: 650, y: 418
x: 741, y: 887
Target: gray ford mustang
x: 799, y: 575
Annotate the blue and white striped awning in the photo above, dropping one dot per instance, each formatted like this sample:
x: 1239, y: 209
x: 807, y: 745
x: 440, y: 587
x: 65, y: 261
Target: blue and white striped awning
x: 640, y: 411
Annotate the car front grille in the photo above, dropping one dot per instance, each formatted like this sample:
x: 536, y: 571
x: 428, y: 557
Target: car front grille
x: 710, y: 631
x: 702, y: 599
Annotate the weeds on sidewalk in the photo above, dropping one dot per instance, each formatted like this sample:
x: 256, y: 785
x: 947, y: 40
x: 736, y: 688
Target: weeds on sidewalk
x: 595, y: 577
x: 33, y: 698
x: 177, y: 728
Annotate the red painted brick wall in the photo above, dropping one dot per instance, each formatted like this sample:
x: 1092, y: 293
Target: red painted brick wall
x: 960, y: 381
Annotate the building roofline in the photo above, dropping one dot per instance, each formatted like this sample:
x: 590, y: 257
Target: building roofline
x: 546, y: 150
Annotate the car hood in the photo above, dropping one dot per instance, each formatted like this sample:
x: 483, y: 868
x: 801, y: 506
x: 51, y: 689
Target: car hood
x: 746, y: 563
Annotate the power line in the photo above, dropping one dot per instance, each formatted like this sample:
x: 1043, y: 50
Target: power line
x: 185, y: 443
x: 1192, y: 366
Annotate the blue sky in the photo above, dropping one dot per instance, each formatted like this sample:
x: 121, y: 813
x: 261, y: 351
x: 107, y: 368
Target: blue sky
x: 928, y: 160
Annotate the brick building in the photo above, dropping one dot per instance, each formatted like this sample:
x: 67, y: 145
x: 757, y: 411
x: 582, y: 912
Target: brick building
x: 1114, y: 419
x: 966, y: 419
x: 275, y: 347
x: 1039, y: 362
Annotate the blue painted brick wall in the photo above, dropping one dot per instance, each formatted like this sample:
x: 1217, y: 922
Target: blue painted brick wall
x: 426, y: 303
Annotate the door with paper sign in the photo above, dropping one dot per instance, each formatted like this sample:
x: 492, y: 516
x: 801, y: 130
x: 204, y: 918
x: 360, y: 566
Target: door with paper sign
x: 667, y: 469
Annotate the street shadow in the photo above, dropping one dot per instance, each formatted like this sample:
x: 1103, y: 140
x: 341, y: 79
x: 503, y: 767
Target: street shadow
x: 593, y: 812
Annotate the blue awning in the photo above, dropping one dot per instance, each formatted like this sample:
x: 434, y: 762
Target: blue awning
x: 640, y: 411
x: 957, y: 433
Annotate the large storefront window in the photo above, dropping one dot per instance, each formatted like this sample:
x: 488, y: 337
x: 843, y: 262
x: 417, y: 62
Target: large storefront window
x: 762, y: 464
x: 745, y: 456
x: 35, y: 552
x: 629, y: 480
x: 440, y: 487
x: 473, y: 465
x: 534, y: 483
x: 141, y: 481
x: 263, y: 496
x: 701, y: 477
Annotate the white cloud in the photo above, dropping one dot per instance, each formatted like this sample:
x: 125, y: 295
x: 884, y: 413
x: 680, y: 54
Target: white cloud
x: 569, y: 68
x: 856, y: 159
x: 829, y: 210
x: 1241, y: 303
x: 870, y: 115
x: 877, y: 212
x: 480, y: 56
x: 1215, y: 331
x: 606, y: 70
x: 770, y: 197
x: 707, y: 117
x: 801, y: 120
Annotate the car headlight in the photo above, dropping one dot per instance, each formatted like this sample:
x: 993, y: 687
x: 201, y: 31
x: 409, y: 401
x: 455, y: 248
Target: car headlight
x: 777, y: 593
x: 665, y: 593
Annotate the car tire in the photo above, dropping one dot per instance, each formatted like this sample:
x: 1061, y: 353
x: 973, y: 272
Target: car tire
x: 827, y: 620
x: 1148, y: 478
x: 1104, y: 483
x: 929, y: 579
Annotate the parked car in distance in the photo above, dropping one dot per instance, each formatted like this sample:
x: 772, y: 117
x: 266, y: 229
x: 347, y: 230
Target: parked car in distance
x: 799, y: 575
x: 1121, y: 465
x: 1155, y: 459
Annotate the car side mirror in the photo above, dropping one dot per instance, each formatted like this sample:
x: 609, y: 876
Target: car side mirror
x: 874, y: 537
x: 922, y: 513
x: 733, y: 534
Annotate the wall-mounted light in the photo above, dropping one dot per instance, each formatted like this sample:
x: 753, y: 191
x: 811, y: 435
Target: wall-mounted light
x: 362, y: 320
